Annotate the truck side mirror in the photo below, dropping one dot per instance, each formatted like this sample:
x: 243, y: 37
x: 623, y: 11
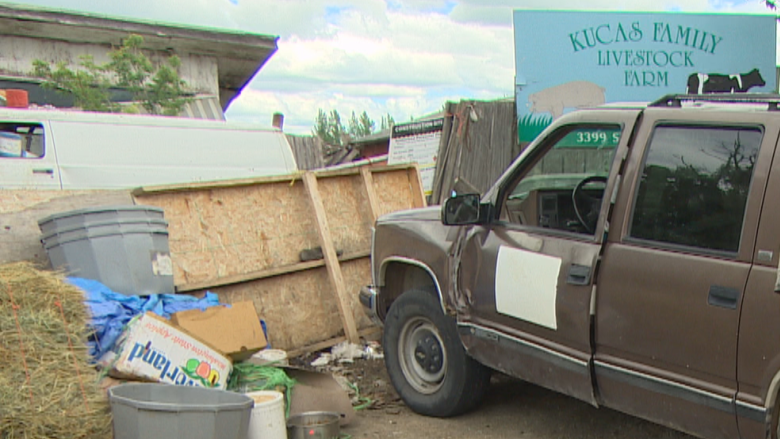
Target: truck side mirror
x: 461, y: 210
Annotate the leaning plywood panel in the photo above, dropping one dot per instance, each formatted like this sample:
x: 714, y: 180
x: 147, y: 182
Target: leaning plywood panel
x: 226, y: 231
x: 357, y: 273
x: 221, y: 231
x: 243, y: 239
x: 398, y: 190
x: 299, y: 308
x: 348, y: 212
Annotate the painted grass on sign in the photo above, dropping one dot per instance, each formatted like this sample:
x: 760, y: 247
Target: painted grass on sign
x: 529, y: 126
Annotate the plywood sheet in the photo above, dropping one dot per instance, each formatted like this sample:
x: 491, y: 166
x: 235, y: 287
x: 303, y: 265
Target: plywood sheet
x: 300, y: 308
x: 227, y: 231
x: 394, y: 191
x: 234, y: 232
x: 221, y: 231
x: 357, y: 274
x: 348, y: 212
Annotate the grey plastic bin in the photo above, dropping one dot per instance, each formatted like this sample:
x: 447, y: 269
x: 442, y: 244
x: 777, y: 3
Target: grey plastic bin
x: 125, y: 248
x: 79, y: 217
x: 151, y: 411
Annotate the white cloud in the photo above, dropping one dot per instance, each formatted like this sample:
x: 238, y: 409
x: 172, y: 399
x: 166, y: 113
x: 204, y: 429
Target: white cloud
x: 407, y: 65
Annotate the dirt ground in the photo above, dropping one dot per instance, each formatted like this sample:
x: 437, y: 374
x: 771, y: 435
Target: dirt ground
x: 512, y: 409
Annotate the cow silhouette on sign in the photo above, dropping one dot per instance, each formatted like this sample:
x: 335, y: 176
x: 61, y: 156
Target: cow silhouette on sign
x: 701, y: 83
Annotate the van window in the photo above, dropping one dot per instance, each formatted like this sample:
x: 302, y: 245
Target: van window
x: 694, y: 187
x: 21, y: 140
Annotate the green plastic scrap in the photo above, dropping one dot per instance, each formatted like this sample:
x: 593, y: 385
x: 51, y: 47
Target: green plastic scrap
x: 248, y: 377
x: 362, y: 401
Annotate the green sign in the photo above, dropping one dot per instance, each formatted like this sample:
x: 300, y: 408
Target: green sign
x: 595, y: 138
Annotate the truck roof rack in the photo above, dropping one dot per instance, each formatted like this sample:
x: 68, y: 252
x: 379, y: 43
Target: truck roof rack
x: 675, y: 100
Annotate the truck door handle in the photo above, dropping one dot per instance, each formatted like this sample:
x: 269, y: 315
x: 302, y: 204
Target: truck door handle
x: 723, y: 297
x: 578, y: 275
x: 43, y: 171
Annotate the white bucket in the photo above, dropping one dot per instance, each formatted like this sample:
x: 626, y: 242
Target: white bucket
x: 267, y: 420
x: 271, y: 357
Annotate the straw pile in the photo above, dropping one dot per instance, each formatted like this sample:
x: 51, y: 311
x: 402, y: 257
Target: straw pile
x: 47, y: 387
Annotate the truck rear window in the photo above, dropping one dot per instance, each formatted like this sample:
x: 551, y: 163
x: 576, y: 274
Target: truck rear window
x: 694, y: 186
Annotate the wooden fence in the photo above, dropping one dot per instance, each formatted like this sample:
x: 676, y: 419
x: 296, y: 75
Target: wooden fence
x: 479, y: 141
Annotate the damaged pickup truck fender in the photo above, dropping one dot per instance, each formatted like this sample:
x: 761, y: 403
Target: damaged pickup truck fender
x: 410, y: 250
x: 425, y: 357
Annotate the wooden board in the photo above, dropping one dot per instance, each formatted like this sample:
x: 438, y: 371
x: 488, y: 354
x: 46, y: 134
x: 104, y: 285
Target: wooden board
x: 331, y: 260
x: 373, y: 202
x: 243, y: 242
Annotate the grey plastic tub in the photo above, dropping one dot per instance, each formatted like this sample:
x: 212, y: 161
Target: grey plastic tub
x: 118, y: 225
x: 130, y: 255
x: 151, y: 411
x: 79, y: 217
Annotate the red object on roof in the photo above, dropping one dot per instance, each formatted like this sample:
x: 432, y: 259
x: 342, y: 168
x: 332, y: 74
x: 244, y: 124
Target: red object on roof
x: 16, y: 98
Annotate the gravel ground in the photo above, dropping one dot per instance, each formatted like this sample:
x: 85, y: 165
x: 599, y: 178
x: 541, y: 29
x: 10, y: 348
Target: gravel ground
x: 512, y: 409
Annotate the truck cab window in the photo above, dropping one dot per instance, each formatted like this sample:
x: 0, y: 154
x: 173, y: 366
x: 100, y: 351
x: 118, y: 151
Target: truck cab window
x: 21, y: 140
x: 694, y: 187
x: 564, y: 188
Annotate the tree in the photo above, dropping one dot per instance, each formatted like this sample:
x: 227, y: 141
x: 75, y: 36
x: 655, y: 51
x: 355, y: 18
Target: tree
x: 159, y: 89
x: 88, y: 86
x: 361, y: 126
x: 387, y: 122
x: 329, y: 127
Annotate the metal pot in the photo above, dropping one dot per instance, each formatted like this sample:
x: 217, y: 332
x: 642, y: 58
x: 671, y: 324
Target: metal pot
x: 314, y: 425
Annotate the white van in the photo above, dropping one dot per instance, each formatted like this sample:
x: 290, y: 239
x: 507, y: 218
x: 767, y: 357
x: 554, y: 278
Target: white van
x: 75, y: 150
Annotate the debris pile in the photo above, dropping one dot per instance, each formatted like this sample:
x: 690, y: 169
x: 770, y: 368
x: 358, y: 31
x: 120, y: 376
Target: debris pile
x: 346, y: 352
x: 65, y: 342
x: 360, y: 371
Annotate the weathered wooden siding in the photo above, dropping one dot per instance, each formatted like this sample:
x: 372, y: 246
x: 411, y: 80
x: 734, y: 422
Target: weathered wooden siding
x: 308, y: 151
x: 478, y: 143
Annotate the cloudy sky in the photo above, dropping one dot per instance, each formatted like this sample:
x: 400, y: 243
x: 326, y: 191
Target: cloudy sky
x: 399, y: 57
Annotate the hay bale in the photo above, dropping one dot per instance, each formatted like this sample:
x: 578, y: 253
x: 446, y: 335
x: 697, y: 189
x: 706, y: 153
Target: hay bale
x: 48, y: 389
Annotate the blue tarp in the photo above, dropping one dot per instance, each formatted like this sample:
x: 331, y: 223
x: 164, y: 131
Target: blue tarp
x: 110, y: 311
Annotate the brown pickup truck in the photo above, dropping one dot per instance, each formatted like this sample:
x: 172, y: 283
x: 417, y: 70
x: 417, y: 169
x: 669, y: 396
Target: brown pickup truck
x: 628, y: 258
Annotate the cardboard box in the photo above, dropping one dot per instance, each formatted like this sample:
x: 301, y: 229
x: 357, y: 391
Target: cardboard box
x: 154, y: 350
x: 235, y: 330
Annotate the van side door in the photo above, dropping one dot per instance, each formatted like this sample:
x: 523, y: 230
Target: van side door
x: 675, y: 267
x: 27, y: 156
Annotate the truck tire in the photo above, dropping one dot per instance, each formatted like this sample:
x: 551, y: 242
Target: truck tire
x: 426, y: 361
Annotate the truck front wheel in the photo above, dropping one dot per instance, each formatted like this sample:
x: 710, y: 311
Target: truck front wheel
x: 426, y: 361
